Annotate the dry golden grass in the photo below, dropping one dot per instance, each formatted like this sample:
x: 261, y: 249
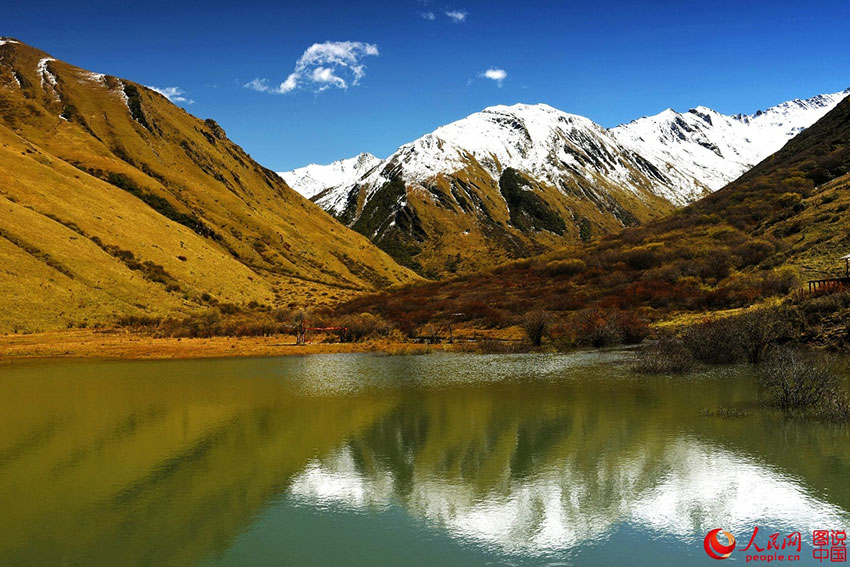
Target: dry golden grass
x: 90, y: 343
x: 107, y: 212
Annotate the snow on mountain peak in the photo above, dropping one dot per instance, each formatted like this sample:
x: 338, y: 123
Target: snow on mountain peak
x: 312, y: 179
x: 715, y: 148
x: 521, y: 136
x: 559, y: 149
x: 677, y: 155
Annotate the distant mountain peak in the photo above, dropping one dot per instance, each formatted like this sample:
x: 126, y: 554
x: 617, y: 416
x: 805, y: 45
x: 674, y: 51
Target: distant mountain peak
x: 522, y: 107
x: 715, y: 148
x: 313, y: 179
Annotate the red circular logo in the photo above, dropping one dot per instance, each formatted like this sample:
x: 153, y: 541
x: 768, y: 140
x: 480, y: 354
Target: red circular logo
x: 715, y: 548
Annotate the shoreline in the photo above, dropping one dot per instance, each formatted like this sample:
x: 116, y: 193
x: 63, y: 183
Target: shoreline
x: 126, y: 345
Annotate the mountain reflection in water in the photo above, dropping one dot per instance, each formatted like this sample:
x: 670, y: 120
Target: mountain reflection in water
x: 520, y: 456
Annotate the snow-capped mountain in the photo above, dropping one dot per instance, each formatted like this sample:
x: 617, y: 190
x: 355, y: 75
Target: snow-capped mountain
x: 312, y: 179
x: 513, y: 180
x: 545, y: 143
x: 714, y: 148
x: 502, y: 183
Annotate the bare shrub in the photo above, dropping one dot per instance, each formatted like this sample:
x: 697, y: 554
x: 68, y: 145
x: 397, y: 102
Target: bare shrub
x: 779, y: 282
x: 757, y: 331
x: 567, y: 267
x: 563, y: 336
x: 138, y: 321
x: 203, y: 325
x: 795, y: 379
x: 716, y: 265
x: 536, y: 325
x: 281, y: 315
x: 641, y: 257
x: 596, y: 328
x: 754, y: 251
x: 713, y: 342
x: 354, y: 328
x: 823, y: 305
x: 632, y: 328
x: 215, y: 323
x: 749, y: 335
x: 668, y: 355
x: 605, y: 327
x: 430, y: 333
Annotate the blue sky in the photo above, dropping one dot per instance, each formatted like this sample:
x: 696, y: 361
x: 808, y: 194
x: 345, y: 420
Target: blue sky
x: 611, y: 61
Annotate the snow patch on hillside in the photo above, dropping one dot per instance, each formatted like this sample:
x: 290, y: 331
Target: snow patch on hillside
x: 92, y: 77
x: 123, y: 95
x: 47, y: 77
x: 44, y: 72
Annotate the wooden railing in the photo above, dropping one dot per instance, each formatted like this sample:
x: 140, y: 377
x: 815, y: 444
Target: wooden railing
x: 827, y: 285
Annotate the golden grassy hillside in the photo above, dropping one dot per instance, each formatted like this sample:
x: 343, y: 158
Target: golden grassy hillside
x: 116, y: 202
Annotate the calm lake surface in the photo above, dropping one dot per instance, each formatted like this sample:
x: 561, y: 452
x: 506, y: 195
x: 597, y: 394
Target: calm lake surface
x: 445, y: 459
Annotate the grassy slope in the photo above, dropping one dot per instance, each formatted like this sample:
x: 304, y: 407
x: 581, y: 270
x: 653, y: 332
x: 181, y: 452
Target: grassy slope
x: 735, y: 247
x: 127, y: 205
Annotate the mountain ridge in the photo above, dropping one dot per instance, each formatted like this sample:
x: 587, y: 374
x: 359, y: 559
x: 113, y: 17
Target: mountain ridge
x: 415, y: 203
x: 716, y: 148
x: 594, y: 180
x: 821, y: 103
x: 314, y: 178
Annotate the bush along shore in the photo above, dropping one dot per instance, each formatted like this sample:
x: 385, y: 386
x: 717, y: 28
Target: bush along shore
x: 229, y: 320
x: 793, y: 376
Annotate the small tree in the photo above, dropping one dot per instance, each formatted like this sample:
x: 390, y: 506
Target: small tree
x: 536, y: 325
x: 300, y: 327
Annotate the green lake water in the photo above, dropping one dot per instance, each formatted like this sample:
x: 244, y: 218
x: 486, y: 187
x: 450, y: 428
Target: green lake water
x: 444, y: 459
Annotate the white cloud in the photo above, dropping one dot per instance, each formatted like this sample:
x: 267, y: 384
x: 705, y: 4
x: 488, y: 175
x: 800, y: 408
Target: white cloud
x: 259, y: 85
x: 322, y: 66
x: 457, y: 16
x: 428, y: 15
x: 498, y: 75
x: 174, y: 94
